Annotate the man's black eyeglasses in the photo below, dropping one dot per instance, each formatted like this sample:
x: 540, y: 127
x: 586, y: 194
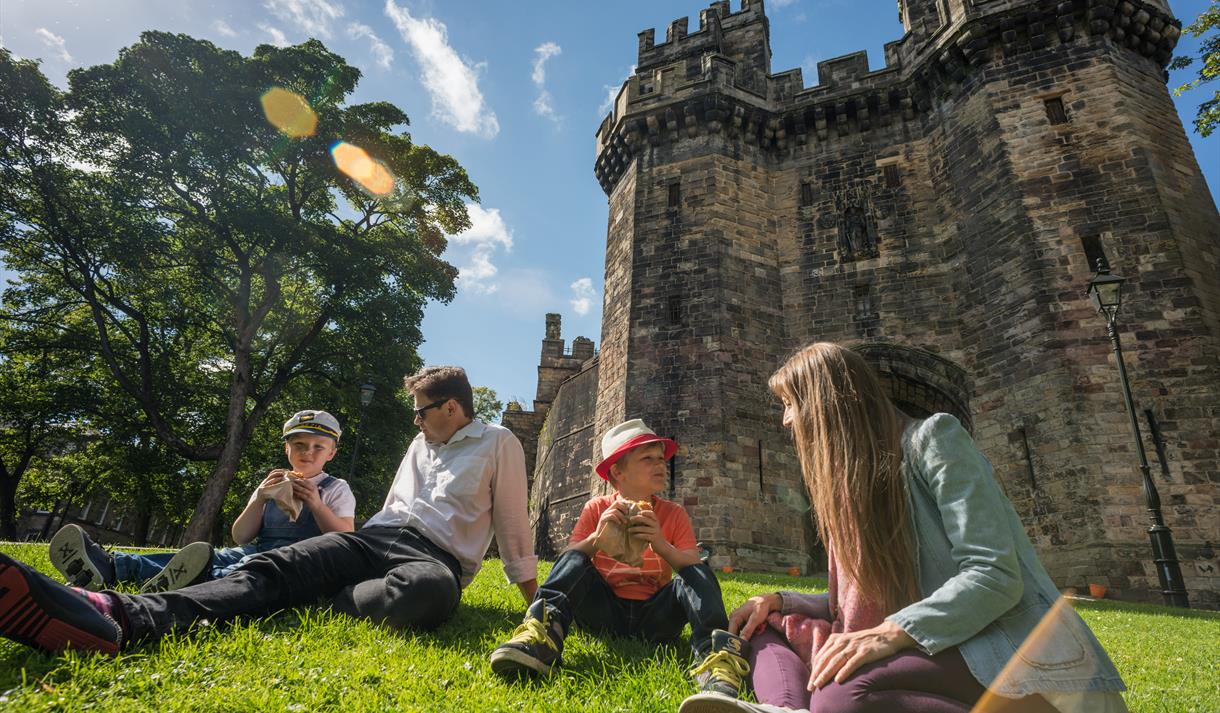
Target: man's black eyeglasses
x: 419, y: 412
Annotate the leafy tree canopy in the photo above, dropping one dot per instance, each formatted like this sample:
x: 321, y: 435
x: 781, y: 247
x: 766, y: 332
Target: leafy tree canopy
x: 1206, y: 26
x: 210, y: 262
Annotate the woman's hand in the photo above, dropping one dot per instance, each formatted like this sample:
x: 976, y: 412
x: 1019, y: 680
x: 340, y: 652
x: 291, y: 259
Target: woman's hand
x: 747, y: 619
x: 842, y: 654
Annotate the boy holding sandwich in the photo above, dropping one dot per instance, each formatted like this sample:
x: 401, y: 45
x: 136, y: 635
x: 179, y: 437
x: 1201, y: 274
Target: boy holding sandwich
x: 315, y: 503
x: 653, y: 596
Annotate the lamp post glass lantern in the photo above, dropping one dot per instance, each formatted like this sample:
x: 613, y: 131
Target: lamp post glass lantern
x: 367, y: 390
x: 1105, y: 290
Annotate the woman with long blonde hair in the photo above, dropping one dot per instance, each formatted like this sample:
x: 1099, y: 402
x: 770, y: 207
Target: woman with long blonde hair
x: 934, y: 587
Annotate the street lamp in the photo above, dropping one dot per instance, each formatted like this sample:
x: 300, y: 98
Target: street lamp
x: 1106, y: 292
x: 367, y: 390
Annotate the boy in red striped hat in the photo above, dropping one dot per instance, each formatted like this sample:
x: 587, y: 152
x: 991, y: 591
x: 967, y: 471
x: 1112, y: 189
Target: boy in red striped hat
x: 653, y: 598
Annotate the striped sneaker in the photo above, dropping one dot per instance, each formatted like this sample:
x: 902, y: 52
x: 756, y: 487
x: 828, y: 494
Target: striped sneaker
x: 191, y: 565
x: 81, y: 561
x: 37, y: 611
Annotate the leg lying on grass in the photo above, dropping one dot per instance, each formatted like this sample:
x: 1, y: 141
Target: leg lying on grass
x: 300, y: 574
x: 39, y: 612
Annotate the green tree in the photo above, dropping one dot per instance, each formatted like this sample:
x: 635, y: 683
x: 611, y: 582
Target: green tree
x: 487, y: 406
x: 37, y: 419
x: 1208, y: 116
x: 214, y: 261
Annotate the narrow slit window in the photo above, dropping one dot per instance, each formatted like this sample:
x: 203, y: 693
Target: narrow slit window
x: 675, y: 309
x: 1055, y: 110
x: 675, y: 195
x: 1093, y: 251
x: 892, y: 177
x: 806, y: 195
x: 863, y: 295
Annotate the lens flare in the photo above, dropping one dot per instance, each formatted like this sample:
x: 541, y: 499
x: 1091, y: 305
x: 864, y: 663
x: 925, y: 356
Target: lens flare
x: 1058, y: 640
x: 368, y: 172
x: 289, y: 112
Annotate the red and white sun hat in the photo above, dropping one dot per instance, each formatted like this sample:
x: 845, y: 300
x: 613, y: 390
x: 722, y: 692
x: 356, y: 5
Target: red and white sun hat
x: 624, y: 437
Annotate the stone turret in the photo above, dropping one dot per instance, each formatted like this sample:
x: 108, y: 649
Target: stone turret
x: 555, y: 366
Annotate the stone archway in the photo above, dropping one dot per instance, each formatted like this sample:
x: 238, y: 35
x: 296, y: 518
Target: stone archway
x: 919, y: 382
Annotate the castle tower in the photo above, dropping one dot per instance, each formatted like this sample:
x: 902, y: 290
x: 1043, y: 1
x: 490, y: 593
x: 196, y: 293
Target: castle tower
x: 944, y: 213
x: 556, y: 365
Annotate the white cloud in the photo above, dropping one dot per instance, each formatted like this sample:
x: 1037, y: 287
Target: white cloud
x: 583, y: 295
x: 612, y: 91
x: 543, y: 104
x: 276, y: 34
x: 54, y: 42
x: 315, y: 17
x: 809, y: 70
x: 542, y: 53
x: 380, y: 50
x: 452, y: 83
x: 478, y: 244
x: 531, y: 293
x: 222, y: 28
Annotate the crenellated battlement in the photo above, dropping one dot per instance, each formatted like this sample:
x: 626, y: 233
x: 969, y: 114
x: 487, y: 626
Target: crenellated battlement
x: 718, y: 78
x: 719, y: 29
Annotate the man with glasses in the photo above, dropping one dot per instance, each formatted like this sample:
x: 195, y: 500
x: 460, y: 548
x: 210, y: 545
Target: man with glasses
x: 461, y: 481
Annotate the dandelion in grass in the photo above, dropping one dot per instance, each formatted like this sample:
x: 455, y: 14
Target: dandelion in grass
x: 289, y: 112
x: 369, y: 173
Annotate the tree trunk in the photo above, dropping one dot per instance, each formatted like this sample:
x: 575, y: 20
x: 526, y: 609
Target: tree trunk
x: 8, y: 507
x: 210, y: 502
x: 59, y: 510
x: 139, y: 534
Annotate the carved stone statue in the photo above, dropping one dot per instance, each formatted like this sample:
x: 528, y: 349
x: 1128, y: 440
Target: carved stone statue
x: 857, y: 236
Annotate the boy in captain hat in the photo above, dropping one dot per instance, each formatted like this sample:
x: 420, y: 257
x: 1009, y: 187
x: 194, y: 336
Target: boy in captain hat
x: 652, y: 599
x: 317, y: 503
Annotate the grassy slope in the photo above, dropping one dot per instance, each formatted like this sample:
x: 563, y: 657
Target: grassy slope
x: 313, y: 660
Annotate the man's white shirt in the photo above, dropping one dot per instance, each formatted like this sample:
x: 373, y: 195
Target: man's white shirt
x: 458, y: 493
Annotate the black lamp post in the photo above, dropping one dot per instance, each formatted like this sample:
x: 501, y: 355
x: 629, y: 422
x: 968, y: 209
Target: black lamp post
x: 366, y: 397
x: 1106, y: 292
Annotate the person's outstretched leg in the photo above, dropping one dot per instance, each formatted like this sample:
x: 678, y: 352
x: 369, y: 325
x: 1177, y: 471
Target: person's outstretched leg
x: 39, y: 612
x: 284, y: 577
x: 419, y: 586
x: 226, y: 560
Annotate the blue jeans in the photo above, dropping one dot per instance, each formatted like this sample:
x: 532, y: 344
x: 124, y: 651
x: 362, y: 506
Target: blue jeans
x: 578, y: 593
x: 141, y: 568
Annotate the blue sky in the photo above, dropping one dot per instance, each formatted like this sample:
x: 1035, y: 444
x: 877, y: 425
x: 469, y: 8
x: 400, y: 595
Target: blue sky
x: 514, y: 91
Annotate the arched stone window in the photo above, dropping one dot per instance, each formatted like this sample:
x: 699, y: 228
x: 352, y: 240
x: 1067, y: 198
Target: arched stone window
x: 919, y: 382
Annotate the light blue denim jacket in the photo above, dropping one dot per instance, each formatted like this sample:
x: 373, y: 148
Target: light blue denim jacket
x: 983, y: 588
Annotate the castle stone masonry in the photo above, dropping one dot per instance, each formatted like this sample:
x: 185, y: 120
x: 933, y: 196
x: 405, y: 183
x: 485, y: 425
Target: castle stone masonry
x: 944, y: 214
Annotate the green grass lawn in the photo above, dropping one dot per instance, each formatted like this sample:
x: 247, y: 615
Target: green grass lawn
x: 309, y: 660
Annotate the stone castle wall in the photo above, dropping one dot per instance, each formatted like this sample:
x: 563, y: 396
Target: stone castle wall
x: 944, y: 212
x: 565, y: 452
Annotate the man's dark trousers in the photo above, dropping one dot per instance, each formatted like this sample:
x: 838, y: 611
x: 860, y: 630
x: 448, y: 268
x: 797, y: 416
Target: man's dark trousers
x: 390, y: 575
